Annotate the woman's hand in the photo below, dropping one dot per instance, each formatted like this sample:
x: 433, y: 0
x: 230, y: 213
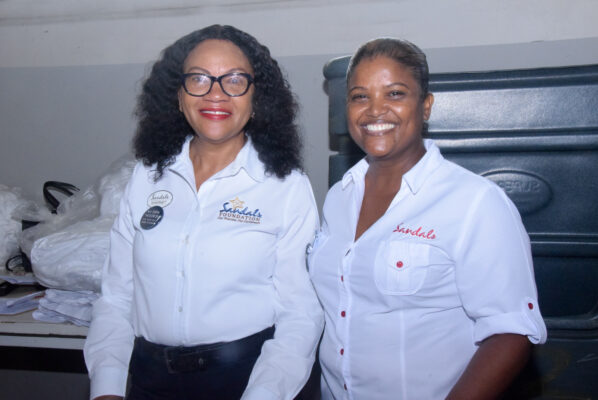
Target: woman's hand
x: 109, y: 397
x: 492, y: 368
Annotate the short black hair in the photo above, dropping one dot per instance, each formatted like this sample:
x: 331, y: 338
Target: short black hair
x: 402, y: 51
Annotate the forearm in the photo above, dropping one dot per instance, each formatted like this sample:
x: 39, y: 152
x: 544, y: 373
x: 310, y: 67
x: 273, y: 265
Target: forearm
x: 493, y: 367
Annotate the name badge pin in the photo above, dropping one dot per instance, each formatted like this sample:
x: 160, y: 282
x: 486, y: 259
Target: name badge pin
x: 151, y: 217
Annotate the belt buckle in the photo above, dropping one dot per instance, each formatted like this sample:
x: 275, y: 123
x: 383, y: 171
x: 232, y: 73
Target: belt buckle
x: 184, y: 360
x: 168, y: 359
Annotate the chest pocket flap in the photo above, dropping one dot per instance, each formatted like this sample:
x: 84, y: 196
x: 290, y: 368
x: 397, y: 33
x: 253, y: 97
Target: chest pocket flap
x: 401, y: 267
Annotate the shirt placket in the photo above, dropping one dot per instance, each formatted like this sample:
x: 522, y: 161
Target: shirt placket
x: 345, y: 294
x: 188, y: 248
x: 344, y: 318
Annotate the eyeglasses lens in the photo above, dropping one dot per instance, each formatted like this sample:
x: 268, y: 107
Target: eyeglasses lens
x: 231, y: 84
x: 234, y: 85
x: 198, y: 84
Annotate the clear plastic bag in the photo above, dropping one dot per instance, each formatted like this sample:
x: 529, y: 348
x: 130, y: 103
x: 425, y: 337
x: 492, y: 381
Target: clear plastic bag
x: 68, y: 249
x: 72, y: 257
x: 11, y: 198
x: 112, y: 183
x: 82, y: 206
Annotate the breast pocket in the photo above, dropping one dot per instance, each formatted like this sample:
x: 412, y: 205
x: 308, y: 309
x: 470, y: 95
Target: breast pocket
x: 401, y: 267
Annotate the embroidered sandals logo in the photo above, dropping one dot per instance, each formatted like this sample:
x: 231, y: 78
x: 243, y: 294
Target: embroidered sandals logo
x: 233, y: 210
x: 419, y: 232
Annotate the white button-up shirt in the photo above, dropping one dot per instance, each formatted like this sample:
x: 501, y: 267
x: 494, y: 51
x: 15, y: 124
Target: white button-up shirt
x: 222, y: 263
x: 445, y: 267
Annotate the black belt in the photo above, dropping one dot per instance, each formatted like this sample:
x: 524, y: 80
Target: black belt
x: 202, y: 357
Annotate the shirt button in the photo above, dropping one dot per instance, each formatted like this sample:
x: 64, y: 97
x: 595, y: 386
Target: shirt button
x: 343, y: 314
x: 530, y: 306
x: 180, y: 309
x: 347, y: 253
x: 399, y: 264
x: 342, y: 278
x: 342, y: 351
x: 345, y: 386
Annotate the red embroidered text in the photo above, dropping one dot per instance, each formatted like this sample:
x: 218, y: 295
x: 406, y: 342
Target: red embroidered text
x: 419, y: 232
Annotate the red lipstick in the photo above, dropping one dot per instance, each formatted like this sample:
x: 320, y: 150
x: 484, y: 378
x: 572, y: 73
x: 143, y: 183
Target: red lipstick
x: 215, y: 114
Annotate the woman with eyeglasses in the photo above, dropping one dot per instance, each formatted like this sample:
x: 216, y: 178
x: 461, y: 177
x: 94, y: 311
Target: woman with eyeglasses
x: 205, y: 294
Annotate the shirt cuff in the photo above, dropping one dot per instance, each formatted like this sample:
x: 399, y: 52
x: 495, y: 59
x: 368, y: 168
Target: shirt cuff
x: 258, y: 393
x: 108, y: 381
x: 527, y: 322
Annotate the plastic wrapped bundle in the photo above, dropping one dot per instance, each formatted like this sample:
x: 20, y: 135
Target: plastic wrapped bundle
x: 10, y: 228
x: 72, y: 257
x: 68, y: 250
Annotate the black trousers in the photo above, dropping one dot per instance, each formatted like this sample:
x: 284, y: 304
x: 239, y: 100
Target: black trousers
x: 217, y: 371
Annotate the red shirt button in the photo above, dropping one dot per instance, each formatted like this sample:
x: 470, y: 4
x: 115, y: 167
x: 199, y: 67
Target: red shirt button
x: 399, y: 264
x: 343, y: 314
x: 342, y: 351
x: 530, y: 306
x: 342, y: 279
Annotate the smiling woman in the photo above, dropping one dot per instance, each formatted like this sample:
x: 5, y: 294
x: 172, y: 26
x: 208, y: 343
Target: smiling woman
x: 423, y: 268
x: 217, y: 117
x: 387, y: 107
x: 185, y: 312
x: 385, y: 112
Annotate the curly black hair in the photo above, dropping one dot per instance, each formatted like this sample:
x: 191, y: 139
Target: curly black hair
x: 163, y: 129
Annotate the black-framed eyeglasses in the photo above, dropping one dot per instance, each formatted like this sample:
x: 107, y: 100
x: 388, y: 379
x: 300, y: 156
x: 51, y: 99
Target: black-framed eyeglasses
x: 234, y: 84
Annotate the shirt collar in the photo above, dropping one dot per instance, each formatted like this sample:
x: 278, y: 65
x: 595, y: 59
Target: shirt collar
x: 414, y: 178
x: 247, y: 159
x: 355, y: 173
x: 417, y: 175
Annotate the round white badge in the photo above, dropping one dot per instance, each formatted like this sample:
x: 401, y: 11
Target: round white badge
x: 160, y: 198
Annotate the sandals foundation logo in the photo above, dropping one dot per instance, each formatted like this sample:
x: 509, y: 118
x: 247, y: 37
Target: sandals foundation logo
x: 234, y: 210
